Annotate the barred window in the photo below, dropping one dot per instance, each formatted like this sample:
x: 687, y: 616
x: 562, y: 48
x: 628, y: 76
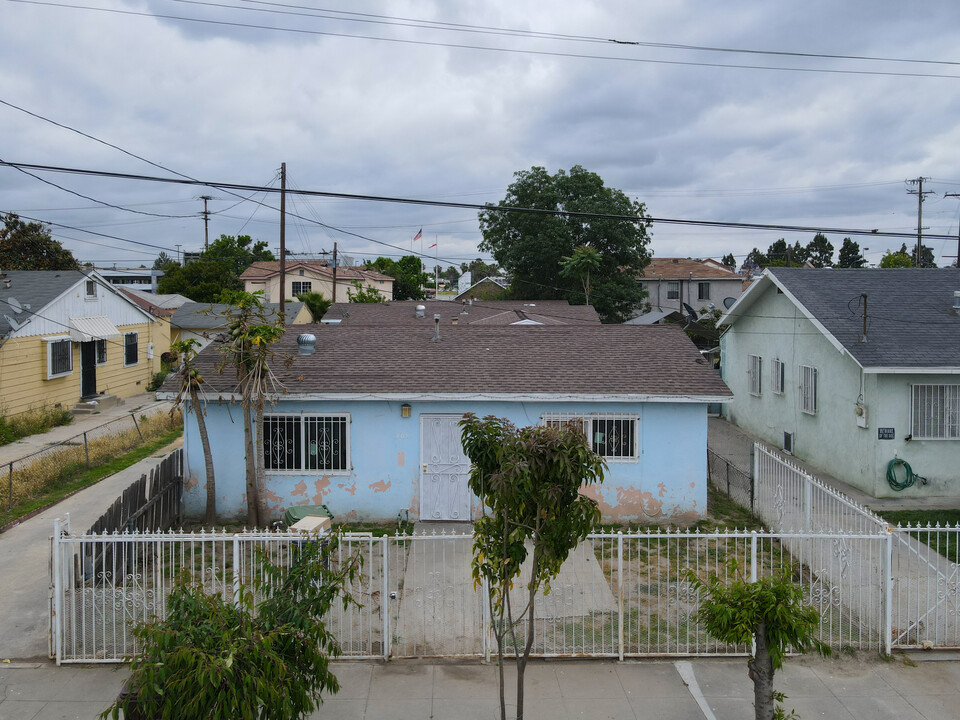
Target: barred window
x: 754, y: 367
x: 101, y: 352
x: 59, y: 358
x: 935, y: 412
x: 808, y: 389
x: 673, y: 291
x: 612, y: 436
x: 130, y: 349
x: 306, y: 442
x: 301, y: 287
x: 776, y: 375
x: 703, y: 291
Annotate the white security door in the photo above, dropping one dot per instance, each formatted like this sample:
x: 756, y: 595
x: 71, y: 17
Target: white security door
x: 444, y: 494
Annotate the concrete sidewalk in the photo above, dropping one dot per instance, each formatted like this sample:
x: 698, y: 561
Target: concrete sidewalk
x: 25, y: 560
x: 706, y: 689
x: 144, y: 403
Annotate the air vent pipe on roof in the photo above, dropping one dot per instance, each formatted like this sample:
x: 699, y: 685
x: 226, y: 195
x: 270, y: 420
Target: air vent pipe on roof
x: 436, y: 328
x: 421, y: 311
x: 956, y: 302
x: 306, y: 343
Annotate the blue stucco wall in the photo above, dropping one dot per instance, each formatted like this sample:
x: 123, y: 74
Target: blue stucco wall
x: 666, y: 481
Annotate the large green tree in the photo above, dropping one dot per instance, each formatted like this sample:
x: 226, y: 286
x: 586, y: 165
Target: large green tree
x: 899, y: 259
x: 28, y: 246
x: 820, y: 251
x: 217, y: 269
x: 850, y: 256
x: 407, y: 273
x: 531, y: 247
x: 479, y: 269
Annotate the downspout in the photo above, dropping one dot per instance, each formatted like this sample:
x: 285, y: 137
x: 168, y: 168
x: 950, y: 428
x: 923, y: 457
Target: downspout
x: 659, y: 283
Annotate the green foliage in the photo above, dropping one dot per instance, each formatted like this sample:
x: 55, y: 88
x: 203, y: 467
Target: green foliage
x: 531, y: 247
x: 479, y: 270
x: 899, y: 259
x: 316, y: 303
x: 584, y: 261
x: 217, y: 270
x: 156, y: 380
x: 162, y: 261
x: 528, y: 481
x: 32, y: 422
x: 756, y: 257
x: 850, y: 256
x: 407, y: 273
x: 730, y: 261
x: 214, y: 659
x: 770, y: 612
x: 361, y: 294
x: 820, y: 251
x: 28, y: 246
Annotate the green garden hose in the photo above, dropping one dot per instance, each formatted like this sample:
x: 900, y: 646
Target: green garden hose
x: 909, y: 479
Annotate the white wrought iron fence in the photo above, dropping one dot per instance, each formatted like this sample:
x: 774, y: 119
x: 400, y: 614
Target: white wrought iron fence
x: 623, y: 594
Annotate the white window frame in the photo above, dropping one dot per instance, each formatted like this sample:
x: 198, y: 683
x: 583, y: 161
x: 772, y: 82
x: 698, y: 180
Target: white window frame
x: 303, y: 419
x: 777, y: 376
x: 940, y: 399
x: 673, y: 290
x: 809, y: 390
x: 125, y: 336
x: 588, y: 420
x: 293, y: 287
x: 755, y: 375
x: 703, y: 290
x: 97, y: 355
x: 50, y: 342
x: 87, y: 285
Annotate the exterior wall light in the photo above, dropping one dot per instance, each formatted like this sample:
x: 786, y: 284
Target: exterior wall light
x: 405, y: 410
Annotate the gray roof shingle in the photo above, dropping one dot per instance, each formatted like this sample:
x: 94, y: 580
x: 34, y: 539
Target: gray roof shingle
x: 485, y: 312
x: 33, y: 288
x: 213, y: 316
x: 910, y: 321
x: 598, y: 359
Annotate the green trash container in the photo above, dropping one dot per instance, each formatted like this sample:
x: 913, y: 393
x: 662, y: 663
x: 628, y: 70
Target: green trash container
x: 298, y: 512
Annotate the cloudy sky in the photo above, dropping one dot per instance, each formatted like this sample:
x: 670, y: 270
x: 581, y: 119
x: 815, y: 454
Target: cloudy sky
x: 446, y: 100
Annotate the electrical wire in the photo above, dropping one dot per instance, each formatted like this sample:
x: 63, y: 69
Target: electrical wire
x: 516, y: 51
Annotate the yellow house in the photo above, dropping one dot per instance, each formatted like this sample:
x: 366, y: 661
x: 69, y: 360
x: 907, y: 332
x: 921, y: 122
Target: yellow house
x: 70, y: 335
x: 303, y: 276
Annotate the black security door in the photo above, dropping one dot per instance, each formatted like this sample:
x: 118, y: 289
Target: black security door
x: 88, y: 369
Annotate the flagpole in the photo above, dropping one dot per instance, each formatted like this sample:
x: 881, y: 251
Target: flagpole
x: 436, y: 267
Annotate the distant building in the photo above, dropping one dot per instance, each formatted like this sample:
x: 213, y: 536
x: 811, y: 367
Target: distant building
x: 671, y: 282
x: 143, y: 279
x: 303, y: 276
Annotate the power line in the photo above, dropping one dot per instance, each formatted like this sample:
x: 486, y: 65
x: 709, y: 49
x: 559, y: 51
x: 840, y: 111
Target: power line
x: 473, y: 206
x: 515, y: 51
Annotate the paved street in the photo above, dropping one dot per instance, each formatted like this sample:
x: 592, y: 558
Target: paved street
x: 864, y: 688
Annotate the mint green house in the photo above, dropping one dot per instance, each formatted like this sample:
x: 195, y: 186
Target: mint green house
x: 850, y: 370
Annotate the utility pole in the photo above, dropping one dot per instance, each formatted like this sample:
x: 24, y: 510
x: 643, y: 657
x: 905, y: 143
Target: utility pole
x: 957, y: 263
x: 178, y: 252
x: 283, y: 242
x: 919, y: 192
x: 206, y: 222
x: 334, y: 270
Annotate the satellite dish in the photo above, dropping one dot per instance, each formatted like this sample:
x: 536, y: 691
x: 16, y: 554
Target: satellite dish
x: 690, y: 312
x: 14, y: 325
x: 15, y: 304
x: 728, y: 302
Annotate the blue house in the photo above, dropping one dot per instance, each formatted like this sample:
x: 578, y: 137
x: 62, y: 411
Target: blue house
x: 367, y: 420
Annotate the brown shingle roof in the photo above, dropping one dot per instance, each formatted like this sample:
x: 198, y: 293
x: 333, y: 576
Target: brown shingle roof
x: 268, y: 268
x: 587, y: 360
x: 481, y: 312
x: 680, y: 269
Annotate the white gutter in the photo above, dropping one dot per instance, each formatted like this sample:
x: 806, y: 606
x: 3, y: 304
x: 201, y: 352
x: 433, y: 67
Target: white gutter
x: 950, y: 370
x: 478, y: 397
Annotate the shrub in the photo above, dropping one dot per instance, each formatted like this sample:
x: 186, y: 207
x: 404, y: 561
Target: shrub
x: 32, y: 422
x: 157, y: 380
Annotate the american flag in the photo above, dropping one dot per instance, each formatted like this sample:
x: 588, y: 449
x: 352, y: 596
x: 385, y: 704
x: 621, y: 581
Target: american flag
x: 418, y: 235
x: 432, y: 246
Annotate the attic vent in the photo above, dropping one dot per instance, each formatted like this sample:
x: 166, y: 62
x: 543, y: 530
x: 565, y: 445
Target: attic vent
x: 306, y: 343
x: 788, y: 443
x: 956, y: 302
x: 421, y: 311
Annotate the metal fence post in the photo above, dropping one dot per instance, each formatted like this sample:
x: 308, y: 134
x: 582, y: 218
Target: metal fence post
x: 753, y: 578
x: 727, y: 462
x: 86, y: 450
x: 888, y: 592
x: 137, y: 426
x: 236, y: 569
x: 808, y: 501
x: 57, y: 595
x: 754, y: 474
x: 620, y: 593
x: 385, y: 597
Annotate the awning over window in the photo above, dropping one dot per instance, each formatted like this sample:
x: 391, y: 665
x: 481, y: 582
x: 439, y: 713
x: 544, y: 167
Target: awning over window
x: 85, y: 329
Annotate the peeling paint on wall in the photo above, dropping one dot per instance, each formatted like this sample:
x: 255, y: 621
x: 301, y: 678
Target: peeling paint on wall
x: 322, y: 486
x: 661, y: 489
x: 190, y: 482
x: 381, y: 486
x: 300, y: 489
x: 400, y: 458
x: 348, y: 487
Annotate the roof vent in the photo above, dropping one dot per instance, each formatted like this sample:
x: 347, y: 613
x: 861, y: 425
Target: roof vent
x: 436, y: 328
x: 306, y: 343
x: 956, y: 302
x: 421, y: 311
x: 676, y: 261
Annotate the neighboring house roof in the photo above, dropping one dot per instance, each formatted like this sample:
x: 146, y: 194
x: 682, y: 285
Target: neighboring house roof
x: 214, y: 316
x: 655, y: 316
x: 910, y: 321
x: 24, y: 293
x: 155, y: 304
x: 480, y: 312
x: 501, y: 283
x: 614, y: 363
x: 266, y: 269
x: 681, y: 268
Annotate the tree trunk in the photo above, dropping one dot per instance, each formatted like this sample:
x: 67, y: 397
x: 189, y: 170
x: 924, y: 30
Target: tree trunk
x: 761, y: 672
x: 210, y: 515
x: 253, y: 501
x: 262, y: 512
x: 528, y: 644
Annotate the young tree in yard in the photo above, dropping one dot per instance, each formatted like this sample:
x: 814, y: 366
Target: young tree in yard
x: 530, y: 247
x: 769, y: 612
x: 361, y: 294
x: 528, y: 481
x: 219, y: 659
x: 316, y: 303
x: 248, y: 350
x: 579, y: 265
x: 898, y: 259
x: 190, y: 386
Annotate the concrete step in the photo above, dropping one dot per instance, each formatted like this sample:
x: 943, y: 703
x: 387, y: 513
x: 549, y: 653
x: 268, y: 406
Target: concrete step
x: 95, y: 404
